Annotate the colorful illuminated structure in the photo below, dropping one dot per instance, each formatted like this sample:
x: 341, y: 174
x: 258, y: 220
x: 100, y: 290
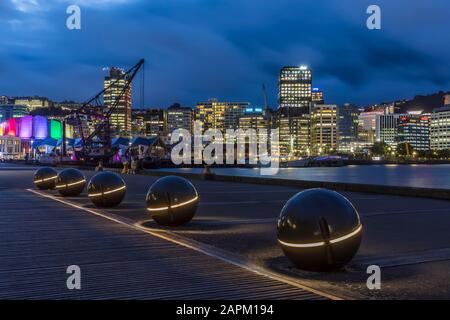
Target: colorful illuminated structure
x: 34, y: 128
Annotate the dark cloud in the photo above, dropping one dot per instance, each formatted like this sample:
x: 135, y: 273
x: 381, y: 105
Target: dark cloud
x: 197, y: 49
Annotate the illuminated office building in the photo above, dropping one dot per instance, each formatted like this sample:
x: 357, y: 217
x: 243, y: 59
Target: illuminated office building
x: 318, y: 96
x: 324, y: 134
x: 115, y: 84
x: 148, y: 122
x: 295, y: 88
x: 386, y: 129
x: 367, y: 128
x: 294, y: 132
x: 414, y: 129
x: 220, y: 115
x: 253, y: 118
x: 155, y: 122
x: 347, y: 126
x: 179, y: 118
x: 440, y: 128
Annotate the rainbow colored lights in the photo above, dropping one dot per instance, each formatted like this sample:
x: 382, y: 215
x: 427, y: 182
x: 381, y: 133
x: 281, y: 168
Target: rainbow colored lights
x: 34, y: 127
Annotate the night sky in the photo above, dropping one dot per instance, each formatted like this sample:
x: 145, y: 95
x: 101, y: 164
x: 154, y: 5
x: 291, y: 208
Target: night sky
x: 198, y: 49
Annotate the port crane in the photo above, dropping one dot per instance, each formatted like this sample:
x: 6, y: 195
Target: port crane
x: 99, y: 115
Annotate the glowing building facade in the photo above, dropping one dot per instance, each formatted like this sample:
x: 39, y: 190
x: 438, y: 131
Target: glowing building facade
x: 295, y: 88
x: 220, y: 115
x: 115, y: 84
x: 324, y: 135
x: 440, y: 128
x: 415, y: 130
x: 179, y: 118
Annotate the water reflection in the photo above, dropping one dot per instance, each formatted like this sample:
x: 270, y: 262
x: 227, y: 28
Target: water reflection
x: 423, y: 176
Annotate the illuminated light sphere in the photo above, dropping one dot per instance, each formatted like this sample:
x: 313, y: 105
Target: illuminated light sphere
x: 172, y: 201
x: 70, y: 182
x: 45, y: 178
x: 319, y: 230
x: 106, y: 189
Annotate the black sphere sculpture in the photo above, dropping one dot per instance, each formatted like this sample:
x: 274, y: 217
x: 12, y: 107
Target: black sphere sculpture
x: 172, y: 201
x: 45, y: 178
x: 106, y: 189
x: 319, y: 230
x: 70, y: 182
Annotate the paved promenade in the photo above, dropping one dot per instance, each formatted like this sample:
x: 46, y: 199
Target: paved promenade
x: 232, y: 240
x: 41, y: 237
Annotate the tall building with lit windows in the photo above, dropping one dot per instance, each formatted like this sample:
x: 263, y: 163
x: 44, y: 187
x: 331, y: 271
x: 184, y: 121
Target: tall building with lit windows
x: 115, y: 84
x: 414, y: 128
x: 295, y: 87
x: 347, y: 126
x: 324, y: 134
x: 386, y: 129
x: 294, y: 132
x: 214, y: 114
x: 178, y: 117
x: 440, y: 128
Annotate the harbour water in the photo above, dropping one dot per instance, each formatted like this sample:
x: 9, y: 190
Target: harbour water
x: 422, y: 176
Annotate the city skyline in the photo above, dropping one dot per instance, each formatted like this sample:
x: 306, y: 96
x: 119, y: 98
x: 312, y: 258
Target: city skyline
x: 191, y: 59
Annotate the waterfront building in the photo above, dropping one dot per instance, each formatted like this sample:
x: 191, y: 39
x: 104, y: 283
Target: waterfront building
x: 214, y: 114
x: 386, y: 129
x: 440, y: 128
x: 318, y: 96
x: 414, y: 128
x: 115, y: 84
x: 367, y: 126
x: 33, y: 103
x: 294, y: 132
x: 347, y: 126
x: 324, y: 135
x: 179, y: 118
x: 295, y: 88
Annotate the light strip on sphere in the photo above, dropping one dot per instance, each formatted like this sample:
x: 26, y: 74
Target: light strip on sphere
x: 106, y: 192
x: 184, y: 203
x: 70, y: 184
x: 354, y: 233
x: 173, y: 206
x: 322, y: 243
x: 158, y: 209
x: 47, y: 179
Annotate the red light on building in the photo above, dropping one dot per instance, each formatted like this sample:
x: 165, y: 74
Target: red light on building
x: 11, y: 127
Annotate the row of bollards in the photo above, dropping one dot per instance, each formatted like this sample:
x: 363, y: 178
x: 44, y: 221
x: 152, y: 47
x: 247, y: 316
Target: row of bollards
x: 318, y: 229
x: 172, y: 201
